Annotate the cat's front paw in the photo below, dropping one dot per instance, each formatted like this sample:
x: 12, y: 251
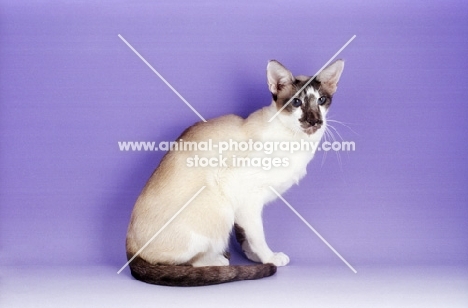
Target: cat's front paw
x: 279, y: 259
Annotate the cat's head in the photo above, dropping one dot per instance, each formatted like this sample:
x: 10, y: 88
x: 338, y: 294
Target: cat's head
x: 307, y: 110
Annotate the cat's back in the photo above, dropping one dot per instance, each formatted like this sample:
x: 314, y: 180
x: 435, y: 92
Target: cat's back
x: 221, y: 128
x: 199, y: 141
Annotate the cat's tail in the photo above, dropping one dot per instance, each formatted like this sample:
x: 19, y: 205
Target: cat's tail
x: 188, y: 276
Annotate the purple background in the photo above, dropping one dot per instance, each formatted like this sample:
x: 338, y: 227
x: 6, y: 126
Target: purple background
x: 70, y: 89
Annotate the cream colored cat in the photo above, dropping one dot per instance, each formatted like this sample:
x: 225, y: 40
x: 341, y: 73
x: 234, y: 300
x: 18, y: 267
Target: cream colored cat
x: 192, y: 250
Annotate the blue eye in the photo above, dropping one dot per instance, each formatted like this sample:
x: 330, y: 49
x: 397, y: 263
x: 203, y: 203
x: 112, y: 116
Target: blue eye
x: 296, y: 102
x: 322, y: 100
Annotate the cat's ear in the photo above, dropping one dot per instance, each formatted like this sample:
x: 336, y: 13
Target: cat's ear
x: 278, y: 76
x: 330, y: 76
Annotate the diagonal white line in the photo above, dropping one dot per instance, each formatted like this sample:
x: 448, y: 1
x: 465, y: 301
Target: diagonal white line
x: 161, y: 77
x: 310, y: 80
x: 160, y: 230
x: 313, y: 230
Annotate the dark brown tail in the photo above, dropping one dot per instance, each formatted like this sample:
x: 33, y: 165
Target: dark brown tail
x: 189, y: 276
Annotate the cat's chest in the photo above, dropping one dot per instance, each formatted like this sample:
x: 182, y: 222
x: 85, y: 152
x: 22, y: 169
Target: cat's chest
x: 242, y: 185
x: 277, y: 158
x: 292, y: 169
x: 259, y: 170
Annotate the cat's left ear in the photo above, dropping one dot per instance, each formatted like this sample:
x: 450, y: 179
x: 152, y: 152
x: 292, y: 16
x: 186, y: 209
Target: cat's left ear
x: 278, y: 76
x: 330, y: 76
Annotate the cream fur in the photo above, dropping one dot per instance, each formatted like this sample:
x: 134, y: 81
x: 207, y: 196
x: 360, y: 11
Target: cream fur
x: 199, y: 235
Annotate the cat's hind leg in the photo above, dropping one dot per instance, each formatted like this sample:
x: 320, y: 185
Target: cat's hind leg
x: 211, y: 259
x: 209, y: 252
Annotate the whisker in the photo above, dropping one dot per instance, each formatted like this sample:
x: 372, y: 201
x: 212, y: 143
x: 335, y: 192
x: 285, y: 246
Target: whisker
x: 338, y: 157
x: 324, y: 156
x: 334, y: 128
x: 331, y: 134
x: 336, y: 131
x: 344, y: 124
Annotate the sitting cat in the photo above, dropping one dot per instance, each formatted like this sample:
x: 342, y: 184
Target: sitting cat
x: 192, y: 250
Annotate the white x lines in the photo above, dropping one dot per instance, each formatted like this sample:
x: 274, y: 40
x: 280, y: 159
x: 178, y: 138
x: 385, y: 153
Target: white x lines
x: 313, y: 229
x: 162, y: 78
x: 203, y: 119
x: 162, y: 228
x: 312, y: 78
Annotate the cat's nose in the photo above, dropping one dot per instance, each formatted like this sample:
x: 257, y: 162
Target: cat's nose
x: 314, y: 122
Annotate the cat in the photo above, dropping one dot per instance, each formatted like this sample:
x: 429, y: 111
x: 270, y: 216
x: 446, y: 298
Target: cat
x: 192, y: 250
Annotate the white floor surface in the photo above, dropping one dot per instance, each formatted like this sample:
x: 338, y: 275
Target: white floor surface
x: 100, y: 286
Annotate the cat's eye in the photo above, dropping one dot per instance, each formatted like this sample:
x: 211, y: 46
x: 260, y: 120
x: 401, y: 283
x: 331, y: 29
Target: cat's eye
x: 296, y: 102
x: 322, y: 100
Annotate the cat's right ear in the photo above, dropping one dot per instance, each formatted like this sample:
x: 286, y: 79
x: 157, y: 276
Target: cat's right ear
x: 278, y: 76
